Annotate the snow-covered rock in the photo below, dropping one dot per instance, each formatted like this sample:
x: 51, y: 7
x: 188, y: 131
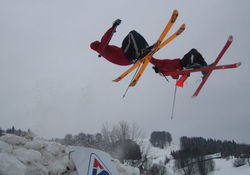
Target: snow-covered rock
x: 36, y: 168
x: 5, y: 147
x: 13, y: 139
x: 19, y: 155
x: 56, y: 149
x: 10, y: 165
x: 36, y: 144
x: 27, y: 156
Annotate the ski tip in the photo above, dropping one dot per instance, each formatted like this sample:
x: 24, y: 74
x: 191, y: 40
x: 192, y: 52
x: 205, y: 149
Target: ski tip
x: 238, y: 64
x: 116, y: 80
x: 175, y: 11
x: 230, y: 38
x: 174, y: 16
x: 133, y: 83
x: 181, y: 29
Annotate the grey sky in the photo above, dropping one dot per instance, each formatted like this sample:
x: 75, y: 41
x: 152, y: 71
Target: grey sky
x: 53, y: 83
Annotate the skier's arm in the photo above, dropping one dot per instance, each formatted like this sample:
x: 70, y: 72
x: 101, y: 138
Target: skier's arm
x: 105, y: 39
x: 107, y: 36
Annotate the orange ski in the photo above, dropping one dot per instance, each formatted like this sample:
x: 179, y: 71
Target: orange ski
x: 162, y: 36
x: 149, y: 56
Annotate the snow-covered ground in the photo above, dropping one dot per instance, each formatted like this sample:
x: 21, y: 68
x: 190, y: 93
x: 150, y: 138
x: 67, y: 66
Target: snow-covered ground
x: 29, y: 156
x: 222, y: 166
x: 225, y: 167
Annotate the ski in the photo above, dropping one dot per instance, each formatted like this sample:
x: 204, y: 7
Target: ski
x: 158, y: 45
x: 221, y: 67
x: 129, y: 70
x: 226, y: 46
x: 149, y: 56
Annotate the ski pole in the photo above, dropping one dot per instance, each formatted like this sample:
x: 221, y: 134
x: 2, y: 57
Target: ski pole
x: 172, y: 113
x: 130, y: 82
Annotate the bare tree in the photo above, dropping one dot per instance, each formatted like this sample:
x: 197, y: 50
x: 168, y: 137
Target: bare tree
x: 122, y: 131
x: 107, y: 138
x: 123, y: 137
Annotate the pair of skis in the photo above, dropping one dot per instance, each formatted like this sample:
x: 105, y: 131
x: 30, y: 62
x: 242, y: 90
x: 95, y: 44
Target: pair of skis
x: 214, y: 67
x: 157, y: 46
x: 209, y: 68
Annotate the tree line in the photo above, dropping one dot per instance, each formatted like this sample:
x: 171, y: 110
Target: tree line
x: 192, y: 156
x: 15, y: 131
x: 198, y: 146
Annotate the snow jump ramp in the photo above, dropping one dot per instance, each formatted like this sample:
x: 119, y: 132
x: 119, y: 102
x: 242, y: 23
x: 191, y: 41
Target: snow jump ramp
x: 90, y: 161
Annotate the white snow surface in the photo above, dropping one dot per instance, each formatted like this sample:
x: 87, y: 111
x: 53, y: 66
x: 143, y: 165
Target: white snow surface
x: 222, y: 166
x: 225, y: 167
x: 126, y: 169
x: 29, y: 156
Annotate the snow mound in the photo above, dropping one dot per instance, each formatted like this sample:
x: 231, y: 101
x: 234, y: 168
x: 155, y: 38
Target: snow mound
x: 9, y: 165
x: 19, y: 155
x: 29, y: 156
x: 13, y: 139
x: 5, y: 147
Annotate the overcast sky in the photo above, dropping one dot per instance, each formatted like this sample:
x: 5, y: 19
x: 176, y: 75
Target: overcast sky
x: 54, y: 84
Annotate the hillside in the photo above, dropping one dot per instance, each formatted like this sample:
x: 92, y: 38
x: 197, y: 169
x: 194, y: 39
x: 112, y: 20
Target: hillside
x: 222, y: 166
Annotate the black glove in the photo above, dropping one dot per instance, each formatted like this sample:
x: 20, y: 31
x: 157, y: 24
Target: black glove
x: 116, y: 23
x: 156, y: 69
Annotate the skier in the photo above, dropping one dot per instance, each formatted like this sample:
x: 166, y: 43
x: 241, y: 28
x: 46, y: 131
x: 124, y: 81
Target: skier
x: 134, y: 47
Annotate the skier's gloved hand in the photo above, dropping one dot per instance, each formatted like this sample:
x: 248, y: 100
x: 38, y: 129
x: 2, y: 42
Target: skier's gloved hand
x: 156, y: 69
x: 116, y: 23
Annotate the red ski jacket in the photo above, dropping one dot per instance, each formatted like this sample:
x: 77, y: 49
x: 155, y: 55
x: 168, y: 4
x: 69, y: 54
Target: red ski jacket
x: 167, y: 65
x: 116, y: 55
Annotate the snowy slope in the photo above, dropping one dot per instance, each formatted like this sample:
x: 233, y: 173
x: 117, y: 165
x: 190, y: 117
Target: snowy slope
x: 222, y: 166
x: 225, y: 167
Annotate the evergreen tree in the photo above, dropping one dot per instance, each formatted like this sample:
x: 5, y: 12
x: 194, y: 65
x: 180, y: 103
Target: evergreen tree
x: 160, y: 138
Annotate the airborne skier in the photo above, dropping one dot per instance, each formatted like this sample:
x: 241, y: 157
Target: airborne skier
x: 135, y: 50
x: 134, y: 47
